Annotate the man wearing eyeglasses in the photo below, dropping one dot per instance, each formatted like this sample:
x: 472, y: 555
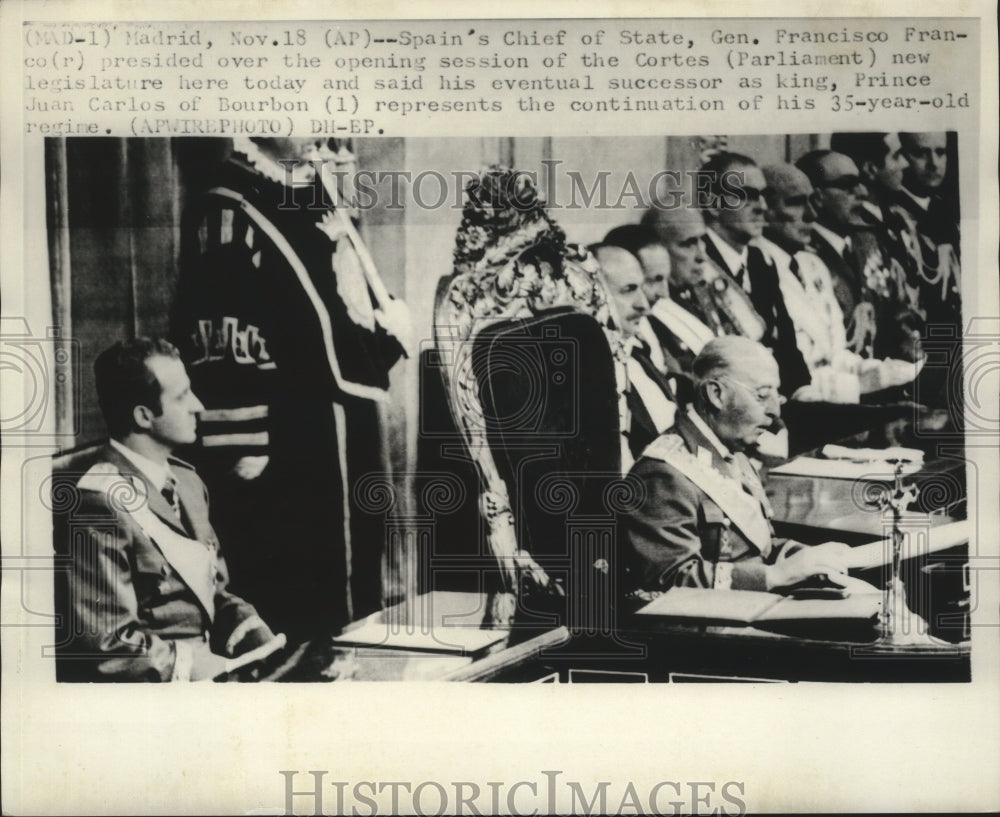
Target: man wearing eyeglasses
x: 736, y: 217
x: 704, y: 517
x: 880, y: 159
x: 868, y: 288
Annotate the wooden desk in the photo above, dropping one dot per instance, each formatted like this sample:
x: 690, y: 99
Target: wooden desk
x: 641, y: 650
x: 840, y: 508
x: 817, y: 509
x: 676, y: 653
x: 808, y: 508
x: 430, y: 614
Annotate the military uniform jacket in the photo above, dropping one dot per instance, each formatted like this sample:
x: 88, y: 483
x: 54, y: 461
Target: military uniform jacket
x: 765, y: 295
x: 684, y: 535
x: 138, y: 580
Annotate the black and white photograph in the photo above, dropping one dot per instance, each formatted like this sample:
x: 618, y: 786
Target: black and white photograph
x: 306, y: 392
x: 713, y: 420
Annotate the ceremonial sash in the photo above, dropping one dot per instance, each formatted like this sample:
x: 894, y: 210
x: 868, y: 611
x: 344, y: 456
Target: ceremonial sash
x: 743, y: 510
x: 192, y: 560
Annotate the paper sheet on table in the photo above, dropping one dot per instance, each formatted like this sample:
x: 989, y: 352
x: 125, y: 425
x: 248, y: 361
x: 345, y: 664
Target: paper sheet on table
x: 739, y: 606
x: 841, y: 469
x: 938, y: 538
x: 896, y: 452
x: 857, y: 606
x: 751, y: 606
x: 456, y: 640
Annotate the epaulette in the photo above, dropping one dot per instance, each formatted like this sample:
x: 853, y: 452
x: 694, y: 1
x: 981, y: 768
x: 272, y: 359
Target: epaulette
x: 663, y: 446
x: 102, y: 477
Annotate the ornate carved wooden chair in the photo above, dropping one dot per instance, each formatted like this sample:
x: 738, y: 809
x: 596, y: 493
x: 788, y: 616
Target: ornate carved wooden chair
x: 535, y: 378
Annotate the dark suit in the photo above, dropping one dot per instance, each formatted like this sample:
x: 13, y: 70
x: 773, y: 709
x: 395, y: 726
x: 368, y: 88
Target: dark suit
x: 676, y: 387
x: 679, y: 535
x: 124, y: 606
x: 847, y: 284
x: 768, y: 302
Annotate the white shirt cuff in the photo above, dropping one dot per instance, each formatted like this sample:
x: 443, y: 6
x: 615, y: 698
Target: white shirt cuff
x: 241, y: 630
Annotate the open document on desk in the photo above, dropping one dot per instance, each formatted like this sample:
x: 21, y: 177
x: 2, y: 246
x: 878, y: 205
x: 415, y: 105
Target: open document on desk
x: 935, y: 539
x: 696, y: 604
x: 443, y: 639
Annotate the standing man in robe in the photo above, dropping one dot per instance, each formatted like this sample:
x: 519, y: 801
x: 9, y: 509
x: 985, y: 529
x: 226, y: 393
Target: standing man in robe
x: 289, y: 337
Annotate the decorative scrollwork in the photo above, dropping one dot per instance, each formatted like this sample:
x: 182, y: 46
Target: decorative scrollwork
x: 624, y: 495
x: 941, y: 490
x: 126, y: 495
x: 375, y: 493
x: 511, y: 262
x: 868, y: 495
x: 556, y: 493
x: 59, y: 494
x: 442, y: 493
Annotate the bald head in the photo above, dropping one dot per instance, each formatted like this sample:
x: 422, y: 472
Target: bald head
x: 737, y: 390
x: 730, y: 353
x: 641, y: 240
x: 682, y: 232
x: 786, y: 179
x: 789, y: 208
x: 623, y: 280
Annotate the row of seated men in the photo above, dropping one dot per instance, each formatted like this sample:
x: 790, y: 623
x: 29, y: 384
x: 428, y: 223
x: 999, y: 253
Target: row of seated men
x: 838, y: 264
x: 144, y: 596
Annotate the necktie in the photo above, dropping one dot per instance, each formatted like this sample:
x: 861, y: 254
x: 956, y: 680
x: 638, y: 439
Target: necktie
x: 847, y: 255
x: 794, y: 267
x: 169, y: 492
x: 741, y: 275
x: 641, y: 349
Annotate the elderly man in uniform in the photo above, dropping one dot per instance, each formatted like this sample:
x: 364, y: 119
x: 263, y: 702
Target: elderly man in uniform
x: 704, y: 518
x: 735, y: 218
x: 145, y: 598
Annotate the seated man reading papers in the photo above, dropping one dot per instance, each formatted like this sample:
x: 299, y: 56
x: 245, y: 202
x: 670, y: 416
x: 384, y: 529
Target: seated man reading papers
x: 704, y: 517
x: 146, y: 597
